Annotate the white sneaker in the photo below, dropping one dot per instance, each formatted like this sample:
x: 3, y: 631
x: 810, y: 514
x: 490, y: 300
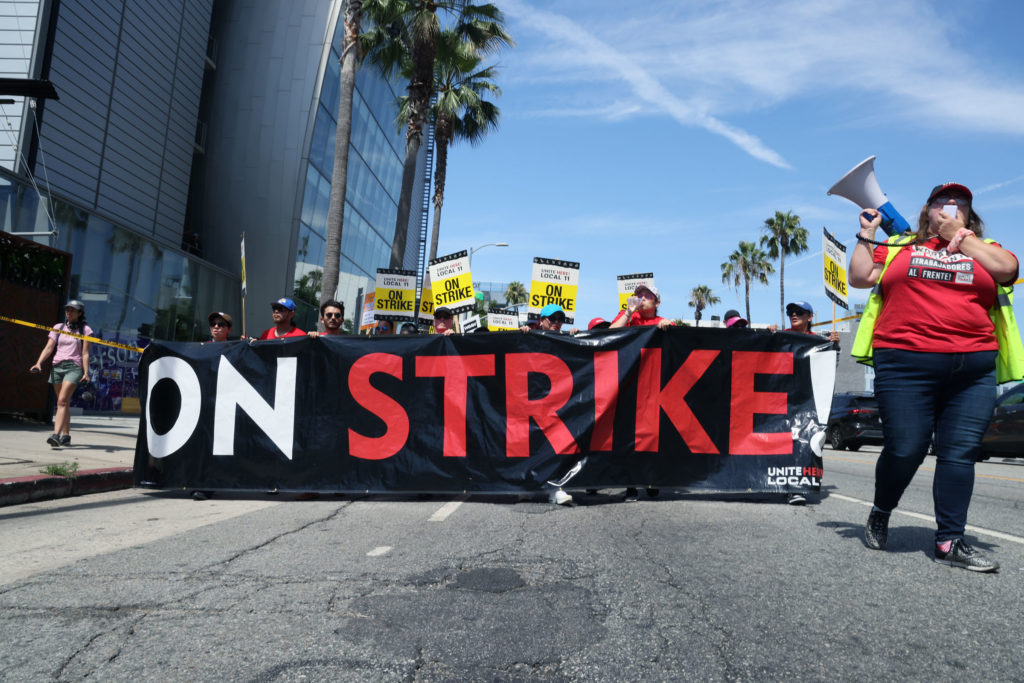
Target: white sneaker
x: 560, y: 497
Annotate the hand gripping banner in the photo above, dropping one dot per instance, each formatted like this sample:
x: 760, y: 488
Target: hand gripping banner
x: 686, y: 408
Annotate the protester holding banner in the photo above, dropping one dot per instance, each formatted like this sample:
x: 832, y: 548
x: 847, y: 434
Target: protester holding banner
x: 70, y: 366
x: 939, y: 334
x: 642, y: 309
x: 443, y: 321
x: 332, y: 315
x: 552, y: 317
x: 220, y: 326
x: 732, y: 318
x: 283, y: 311
x: 800, y: 315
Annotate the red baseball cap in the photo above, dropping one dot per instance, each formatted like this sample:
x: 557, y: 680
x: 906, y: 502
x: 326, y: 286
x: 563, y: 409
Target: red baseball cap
x: 946, y: 187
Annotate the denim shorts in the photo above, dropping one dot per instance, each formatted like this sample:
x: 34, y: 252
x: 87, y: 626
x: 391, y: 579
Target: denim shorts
x: 66, y: 371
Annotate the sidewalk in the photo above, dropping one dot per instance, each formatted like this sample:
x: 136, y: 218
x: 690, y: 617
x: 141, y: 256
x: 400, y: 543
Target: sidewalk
x: 102, y: 446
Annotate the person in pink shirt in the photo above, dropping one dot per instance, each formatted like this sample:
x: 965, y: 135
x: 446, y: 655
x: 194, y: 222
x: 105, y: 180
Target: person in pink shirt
x: 70, y: 366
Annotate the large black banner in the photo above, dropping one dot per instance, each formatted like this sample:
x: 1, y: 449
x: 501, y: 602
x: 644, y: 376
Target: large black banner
x: 696, y: 409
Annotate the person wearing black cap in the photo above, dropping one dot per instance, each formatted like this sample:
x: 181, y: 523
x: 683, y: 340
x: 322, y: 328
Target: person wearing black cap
x: 733, y: 319
x: 220, y: 326
x: 70, y: 366
x: 938, y: 338
x: 443, y: 321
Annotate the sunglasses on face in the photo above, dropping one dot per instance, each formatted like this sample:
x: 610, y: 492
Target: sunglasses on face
x: 798, y: 311
x: 443, y: 316
x: 962, y: 202
x: 278, y: 309
x: 219, y: 323
x: 332, y: 315
x: 557, y: 319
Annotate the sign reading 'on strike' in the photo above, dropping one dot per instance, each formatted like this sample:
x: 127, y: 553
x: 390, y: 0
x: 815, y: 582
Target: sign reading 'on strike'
x: 834, y: 253
x: 553, y: 282
x: 395, y: 295
x: 451, y: 282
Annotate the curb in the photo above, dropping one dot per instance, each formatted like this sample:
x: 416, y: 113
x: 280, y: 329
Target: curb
x: 45, y: 487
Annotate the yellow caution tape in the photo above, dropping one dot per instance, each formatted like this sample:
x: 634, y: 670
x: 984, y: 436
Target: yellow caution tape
x: 49, y: 328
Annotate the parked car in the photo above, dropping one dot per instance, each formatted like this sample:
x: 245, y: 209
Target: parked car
x: 854, y: 421
x: 1004, y: 437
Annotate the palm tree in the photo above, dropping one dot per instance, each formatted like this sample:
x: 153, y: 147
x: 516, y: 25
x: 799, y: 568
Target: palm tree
x: 404, y: 40
x: 339, y: 176
x: 701, y: 297
x: 459, y: 113
x: 783, y: 235
x: 515, y: 293
x: 745, y: 264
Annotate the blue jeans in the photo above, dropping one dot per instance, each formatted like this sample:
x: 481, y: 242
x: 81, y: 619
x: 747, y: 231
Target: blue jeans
x: 951, y: 394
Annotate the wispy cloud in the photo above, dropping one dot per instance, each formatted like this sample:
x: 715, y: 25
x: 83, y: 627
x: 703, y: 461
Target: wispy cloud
x: 999, y: 186
x: 702, y: 62
x: 595, y: 53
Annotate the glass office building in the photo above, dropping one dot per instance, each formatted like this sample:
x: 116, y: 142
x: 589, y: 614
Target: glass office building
x: 181, y: 125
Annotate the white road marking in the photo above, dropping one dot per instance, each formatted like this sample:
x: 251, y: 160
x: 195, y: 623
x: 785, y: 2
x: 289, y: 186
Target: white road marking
x: 379, y: 550
x: 447, y: 509
x: 931, y: 518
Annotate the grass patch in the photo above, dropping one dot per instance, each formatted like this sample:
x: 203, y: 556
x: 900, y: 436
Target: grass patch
x: 65, y: 469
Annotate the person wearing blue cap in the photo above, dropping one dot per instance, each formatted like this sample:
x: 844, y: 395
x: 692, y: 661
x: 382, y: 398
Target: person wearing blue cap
x: 800, y: 315
x: 552, y: 317
x: 283, y: 311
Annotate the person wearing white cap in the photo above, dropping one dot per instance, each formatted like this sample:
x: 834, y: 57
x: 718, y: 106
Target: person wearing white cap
x: 642, y: 309
x: 70, y: 366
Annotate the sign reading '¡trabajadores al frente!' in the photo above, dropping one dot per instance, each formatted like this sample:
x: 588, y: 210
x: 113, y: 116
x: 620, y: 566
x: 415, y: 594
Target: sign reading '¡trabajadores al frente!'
x: 553, y: 282
x: 451, y: 282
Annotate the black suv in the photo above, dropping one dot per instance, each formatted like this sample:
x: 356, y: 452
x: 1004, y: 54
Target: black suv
x: 854, y: 421
x: 1005, y: 435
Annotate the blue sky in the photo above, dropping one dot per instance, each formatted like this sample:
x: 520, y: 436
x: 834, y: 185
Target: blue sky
x: 655, y: 137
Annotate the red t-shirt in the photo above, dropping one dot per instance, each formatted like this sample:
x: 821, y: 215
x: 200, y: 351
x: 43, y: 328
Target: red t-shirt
x: 638, y: 319
x: 934, y: 301
x: 294, y: 332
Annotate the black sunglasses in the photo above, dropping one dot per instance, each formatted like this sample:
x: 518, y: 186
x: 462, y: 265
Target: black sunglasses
x: 219, y: 323
x: 278, y: 309
x: 798, y: 311
x: 332, y: 315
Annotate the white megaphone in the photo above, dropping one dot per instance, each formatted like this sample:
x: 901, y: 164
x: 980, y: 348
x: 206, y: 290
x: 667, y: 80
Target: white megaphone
x: 861, y: 188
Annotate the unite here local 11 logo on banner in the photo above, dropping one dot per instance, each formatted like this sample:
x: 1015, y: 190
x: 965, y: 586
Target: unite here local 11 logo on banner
x: 629, y: 283
x: 834, y: 253
x: 451, y: 282
x: 395, y: 295
x: 553, y: 282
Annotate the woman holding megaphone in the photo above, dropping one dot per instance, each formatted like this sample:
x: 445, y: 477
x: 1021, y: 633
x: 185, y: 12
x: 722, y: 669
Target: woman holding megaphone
x: 939, y: 329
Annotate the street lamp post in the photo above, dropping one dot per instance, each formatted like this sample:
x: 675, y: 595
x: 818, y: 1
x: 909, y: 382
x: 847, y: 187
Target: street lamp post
x: 489, y: 244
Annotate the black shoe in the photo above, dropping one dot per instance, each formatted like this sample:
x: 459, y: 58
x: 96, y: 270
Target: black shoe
x: 54, y: 440
x: 631, y: 493
x: 652, y: 493
x: 964, y: 556
x: 796, y: 499
x: 65, y: 440
x: 876, y: 532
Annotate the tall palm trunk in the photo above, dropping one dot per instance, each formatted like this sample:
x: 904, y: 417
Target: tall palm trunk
x: 782, y: 288
x: 420, y: 89
x: 339, y: 176
x: 442, y: 138
x: 746, y: 294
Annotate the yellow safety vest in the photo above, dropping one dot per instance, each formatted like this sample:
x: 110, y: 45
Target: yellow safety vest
x: 1009, y: 362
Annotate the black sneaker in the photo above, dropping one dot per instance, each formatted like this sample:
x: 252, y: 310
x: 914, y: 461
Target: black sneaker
x: 876, y: 531
x: 796, y: 499
x: 54, y: 440
x: 959, y: 554
x: 65, y: 440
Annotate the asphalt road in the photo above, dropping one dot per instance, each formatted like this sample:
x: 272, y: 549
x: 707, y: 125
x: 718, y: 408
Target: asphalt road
x: 140, y: 586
